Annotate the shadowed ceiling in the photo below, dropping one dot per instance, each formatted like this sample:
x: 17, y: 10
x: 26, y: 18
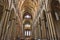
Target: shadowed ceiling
x: 30, y: 6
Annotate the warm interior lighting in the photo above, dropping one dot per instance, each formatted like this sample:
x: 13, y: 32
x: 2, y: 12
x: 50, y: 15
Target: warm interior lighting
x: 27, y: 16
x: 27, y: 25
x: 27, y: 33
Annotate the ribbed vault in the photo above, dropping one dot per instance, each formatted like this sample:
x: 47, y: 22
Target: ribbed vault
x: 30, y: 6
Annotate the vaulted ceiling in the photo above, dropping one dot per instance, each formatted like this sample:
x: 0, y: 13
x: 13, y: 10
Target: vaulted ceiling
x: 30, y: 6
x: 28, y: 10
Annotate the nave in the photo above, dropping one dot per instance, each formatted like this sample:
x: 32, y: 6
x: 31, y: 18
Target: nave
x: 29, y: 19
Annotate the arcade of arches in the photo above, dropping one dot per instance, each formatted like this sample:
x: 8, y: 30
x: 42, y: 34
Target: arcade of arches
x: 29, y: 19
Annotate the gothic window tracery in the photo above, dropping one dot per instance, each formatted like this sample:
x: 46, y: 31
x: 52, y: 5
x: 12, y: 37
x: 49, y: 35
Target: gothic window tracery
x: 27, y: 15
x: 27, y: 33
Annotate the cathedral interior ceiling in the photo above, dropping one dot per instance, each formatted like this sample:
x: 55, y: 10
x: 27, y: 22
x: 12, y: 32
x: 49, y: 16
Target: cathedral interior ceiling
x: 31, y: 19
x: 28, y: 5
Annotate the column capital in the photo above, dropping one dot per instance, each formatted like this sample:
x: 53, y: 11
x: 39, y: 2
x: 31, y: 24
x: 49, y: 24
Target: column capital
x: 48, y: 11
x: 7, y: 10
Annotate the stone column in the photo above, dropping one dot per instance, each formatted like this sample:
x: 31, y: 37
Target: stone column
x: 50, y: 21
x: 10, y: 31
x: 40, y: 31
x: 43, y: 27
x: 4, y: 23
x: 7, y: 25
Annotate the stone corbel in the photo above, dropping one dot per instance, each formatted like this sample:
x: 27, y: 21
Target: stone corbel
x: 7, y: 10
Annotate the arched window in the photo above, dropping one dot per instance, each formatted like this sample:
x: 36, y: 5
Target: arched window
x: 57, y: 16
x: 27, y: 33
x: 27, y: 16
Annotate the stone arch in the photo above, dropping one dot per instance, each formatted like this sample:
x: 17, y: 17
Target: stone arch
x: 27, y: 14
x: 12, y: 14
